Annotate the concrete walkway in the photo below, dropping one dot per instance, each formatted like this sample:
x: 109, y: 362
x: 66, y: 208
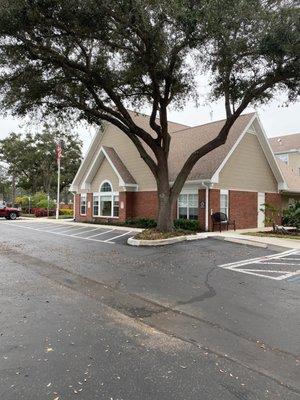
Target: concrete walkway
x: 266, y: 242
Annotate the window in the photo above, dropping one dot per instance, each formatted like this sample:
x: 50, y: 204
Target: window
x: 96, y: 205
x: 106, y: 203
x: 116, y: 206
x: 83, y: 204
x: 188, y: 206
x: 224, y: 201
x: 106, y: 187
x: 105, y: 206
x: 284, y: 158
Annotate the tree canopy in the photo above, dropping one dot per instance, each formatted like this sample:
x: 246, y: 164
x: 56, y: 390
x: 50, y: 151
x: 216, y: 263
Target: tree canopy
x: 94, y: 59
x: 31, y: 159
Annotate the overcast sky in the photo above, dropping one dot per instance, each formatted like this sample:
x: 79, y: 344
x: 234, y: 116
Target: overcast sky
x: 277, y: 120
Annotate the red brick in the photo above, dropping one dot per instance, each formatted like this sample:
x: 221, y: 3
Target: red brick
x: 201, y: 211
x: 243, y: 208
x: 214, y: 204
x: 275, y: 199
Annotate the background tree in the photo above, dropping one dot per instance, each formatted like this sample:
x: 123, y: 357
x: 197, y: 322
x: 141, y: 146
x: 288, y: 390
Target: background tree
x: 31, y: 159
x: 92, y: 59
x: 5, y: 185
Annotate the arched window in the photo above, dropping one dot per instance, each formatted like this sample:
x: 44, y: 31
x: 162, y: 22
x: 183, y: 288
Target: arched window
x: 106, y: 187
x: 106, y: 203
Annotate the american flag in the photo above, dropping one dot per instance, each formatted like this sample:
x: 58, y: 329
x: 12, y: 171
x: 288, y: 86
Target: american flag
x: 58, y: 151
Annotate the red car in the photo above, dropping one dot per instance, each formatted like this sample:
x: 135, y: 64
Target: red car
x: 9, y: 212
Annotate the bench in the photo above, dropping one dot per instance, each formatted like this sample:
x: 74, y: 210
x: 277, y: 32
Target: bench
x: 285, y: 230
x: 220, y: 219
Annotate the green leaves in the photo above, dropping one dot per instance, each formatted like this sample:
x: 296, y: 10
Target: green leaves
x: 31, y: 159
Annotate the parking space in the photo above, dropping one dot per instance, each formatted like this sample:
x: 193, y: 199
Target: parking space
x: 280, y: 266
x: 93, y: 233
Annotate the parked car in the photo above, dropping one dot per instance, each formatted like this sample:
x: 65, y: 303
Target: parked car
x: 9, y: 212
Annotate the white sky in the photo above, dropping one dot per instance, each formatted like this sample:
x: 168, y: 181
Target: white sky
x: 277, y: 120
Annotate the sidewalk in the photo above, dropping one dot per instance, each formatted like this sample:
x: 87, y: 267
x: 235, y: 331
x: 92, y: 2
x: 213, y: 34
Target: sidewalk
x: 265, y: 242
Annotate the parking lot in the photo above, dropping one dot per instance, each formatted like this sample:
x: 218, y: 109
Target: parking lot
x: 74, y: 230
x: 200, y: 313
x: 280, y: 266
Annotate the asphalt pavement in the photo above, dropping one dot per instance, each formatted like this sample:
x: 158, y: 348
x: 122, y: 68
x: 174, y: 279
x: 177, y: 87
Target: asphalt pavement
x: 102, y: 320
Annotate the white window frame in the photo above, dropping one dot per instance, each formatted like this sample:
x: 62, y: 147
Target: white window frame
x: 112, y: 196
x: 187, y: 193
x: 225, y: 192
x: 83, y: 196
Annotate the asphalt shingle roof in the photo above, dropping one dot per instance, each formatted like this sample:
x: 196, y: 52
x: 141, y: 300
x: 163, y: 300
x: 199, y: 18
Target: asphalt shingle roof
x: 285, y: 143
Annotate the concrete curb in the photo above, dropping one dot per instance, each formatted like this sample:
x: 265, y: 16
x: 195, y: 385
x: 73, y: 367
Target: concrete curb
x: 69, y: 222
x: 249, y: 242
x: 163, y: 242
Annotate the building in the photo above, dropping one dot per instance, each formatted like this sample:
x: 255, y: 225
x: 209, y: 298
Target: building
x: 238, y: 178
x: 287, y: 150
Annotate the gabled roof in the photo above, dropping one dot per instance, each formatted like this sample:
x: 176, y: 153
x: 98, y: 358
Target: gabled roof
x: 125, y: 178
x: 285, y: 143
x: 292, y: 180
x: 186, y: 141
x: 119, y: 166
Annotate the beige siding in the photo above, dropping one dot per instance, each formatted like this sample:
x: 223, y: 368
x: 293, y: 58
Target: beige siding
x: 130, y: 157
x: 248, y: 168
x: 105, y: 172
x: 294, y: 162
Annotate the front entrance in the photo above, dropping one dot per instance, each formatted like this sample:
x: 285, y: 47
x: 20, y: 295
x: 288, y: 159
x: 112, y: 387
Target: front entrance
x: 260, y: 210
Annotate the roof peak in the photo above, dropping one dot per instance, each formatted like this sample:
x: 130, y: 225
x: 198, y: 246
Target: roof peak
x: 214, y: 122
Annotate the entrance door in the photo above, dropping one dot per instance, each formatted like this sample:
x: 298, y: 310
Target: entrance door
x: 260, y: 210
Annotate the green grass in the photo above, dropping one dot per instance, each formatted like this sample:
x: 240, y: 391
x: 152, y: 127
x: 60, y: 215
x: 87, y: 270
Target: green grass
x: 275, y: 235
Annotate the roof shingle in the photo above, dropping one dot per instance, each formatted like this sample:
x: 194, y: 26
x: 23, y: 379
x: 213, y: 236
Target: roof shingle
x: 285, y: 143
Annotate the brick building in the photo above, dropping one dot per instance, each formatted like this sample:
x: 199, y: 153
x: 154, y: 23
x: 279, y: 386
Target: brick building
x: 114, y: 183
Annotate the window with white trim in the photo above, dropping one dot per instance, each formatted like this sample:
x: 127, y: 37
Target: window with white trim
x: 83, y: 204
x: 106, y: 202
x: 224, y: 201
x: 96, y: 204
x: 283, y: 157
x: 188, y: 206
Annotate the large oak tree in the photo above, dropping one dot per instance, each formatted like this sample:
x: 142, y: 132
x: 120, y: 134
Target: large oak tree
x: 94, y: 59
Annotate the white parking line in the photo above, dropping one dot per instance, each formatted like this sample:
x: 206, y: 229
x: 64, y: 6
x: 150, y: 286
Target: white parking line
x: 88, y: 230
x: 91, y: 238
x: 116, y: 237
x: 102, y: 233
x: 267, y: 260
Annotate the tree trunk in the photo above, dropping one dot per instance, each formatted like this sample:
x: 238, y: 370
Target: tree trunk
x: 164, y: 218
x: 13, y: 190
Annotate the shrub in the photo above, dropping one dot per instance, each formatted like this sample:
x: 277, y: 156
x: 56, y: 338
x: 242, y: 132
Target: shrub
x: 145, y: 223
x: 291, y: 216
x: 187, y: 224
x: 66, y: 211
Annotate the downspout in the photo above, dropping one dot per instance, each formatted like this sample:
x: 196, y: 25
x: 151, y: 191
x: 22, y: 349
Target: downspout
x: 207, y: 186
x: 74, y: 206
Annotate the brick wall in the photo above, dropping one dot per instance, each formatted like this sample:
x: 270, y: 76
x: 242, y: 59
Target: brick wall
x: 201, y: 211
x: 214, y: 204
x: 89, y: 208
x: 243, y: 208
x: 126, y: 204
x: 145, y: 204
x: 275, y: 199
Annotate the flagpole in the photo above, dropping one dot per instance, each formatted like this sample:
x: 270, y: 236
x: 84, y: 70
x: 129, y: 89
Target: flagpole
x: 58, y: 187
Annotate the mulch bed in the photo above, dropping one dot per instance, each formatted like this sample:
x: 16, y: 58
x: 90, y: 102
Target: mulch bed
x: 154, y: 234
